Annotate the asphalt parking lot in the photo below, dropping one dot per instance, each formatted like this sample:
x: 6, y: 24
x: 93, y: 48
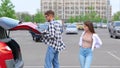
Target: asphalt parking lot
x: 33, y: 53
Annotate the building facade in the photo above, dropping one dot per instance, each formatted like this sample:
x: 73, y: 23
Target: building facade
x: 67, y: 8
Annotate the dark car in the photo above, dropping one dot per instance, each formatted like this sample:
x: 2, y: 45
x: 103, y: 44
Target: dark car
x: 36, y: 37
x: 10, y: 52
x: 42, y: 28
x: 114, y: 29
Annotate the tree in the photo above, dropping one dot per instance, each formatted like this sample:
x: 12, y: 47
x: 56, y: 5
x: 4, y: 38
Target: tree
x: 116, y: 16
x: 77, y: 18
x: 57, y: 18
x: 6, y: 9
x: 82, y: 18
x: 97, y: 19
x: 24, y: 16
x: 39, y: 17
x: 92, y: 16
x: 71, y: 19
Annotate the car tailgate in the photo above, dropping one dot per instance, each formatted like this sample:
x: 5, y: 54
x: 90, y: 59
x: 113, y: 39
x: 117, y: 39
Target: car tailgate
x: 27, y: 26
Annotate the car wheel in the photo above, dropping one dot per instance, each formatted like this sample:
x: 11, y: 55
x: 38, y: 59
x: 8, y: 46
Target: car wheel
x: 36, y: 40
x: 111, y: 36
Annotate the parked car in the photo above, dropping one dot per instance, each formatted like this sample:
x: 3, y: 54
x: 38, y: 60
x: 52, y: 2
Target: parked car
x: 66, y: 24
x: 71, y: 29
x: 114, y: 29
x: 102, y: 25
x: 42, y: 28
x: 36, y: 37
x: 95, y: 25
x: 10, y: 52
x: 99, y: 25
x: 79, y: 26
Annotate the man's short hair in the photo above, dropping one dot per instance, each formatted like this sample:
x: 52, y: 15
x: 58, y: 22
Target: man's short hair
x: 49, y: 12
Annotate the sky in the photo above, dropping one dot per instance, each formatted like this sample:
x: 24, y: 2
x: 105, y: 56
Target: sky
x: 31, y: 6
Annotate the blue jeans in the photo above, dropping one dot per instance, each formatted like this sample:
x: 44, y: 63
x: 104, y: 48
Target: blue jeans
x: 51, y: 60
x: 85, y: 57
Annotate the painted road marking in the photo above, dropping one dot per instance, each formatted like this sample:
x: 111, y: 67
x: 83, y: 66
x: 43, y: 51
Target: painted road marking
x: 116, y: 57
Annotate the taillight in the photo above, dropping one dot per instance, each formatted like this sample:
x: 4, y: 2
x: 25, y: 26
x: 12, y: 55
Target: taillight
x: 5, y: 54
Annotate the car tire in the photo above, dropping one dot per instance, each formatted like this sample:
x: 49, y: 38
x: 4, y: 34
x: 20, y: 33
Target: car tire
x: 36, y: 40
x: 111, y: 35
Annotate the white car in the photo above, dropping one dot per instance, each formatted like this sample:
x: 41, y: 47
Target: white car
x: 71, y: 29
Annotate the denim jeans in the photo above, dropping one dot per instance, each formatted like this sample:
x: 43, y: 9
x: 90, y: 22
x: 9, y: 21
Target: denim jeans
x: 51, y: 60
x: 85, y: 57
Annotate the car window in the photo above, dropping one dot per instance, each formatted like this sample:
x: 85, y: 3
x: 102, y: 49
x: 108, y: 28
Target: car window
x: 43, y: 26
x: 117, y: 24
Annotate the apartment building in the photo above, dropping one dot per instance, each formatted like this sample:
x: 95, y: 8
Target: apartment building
x: 66, y: 8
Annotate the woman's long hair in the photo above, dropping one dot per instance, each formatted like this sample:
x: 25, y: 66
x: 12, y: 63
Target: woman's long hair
x: 89, y: 24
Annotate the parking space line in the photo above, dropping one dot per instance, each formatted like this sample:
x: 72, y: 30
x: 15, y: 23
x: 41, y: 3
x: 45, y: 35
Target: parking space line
x: 74, y: 66
x: 116, y: 57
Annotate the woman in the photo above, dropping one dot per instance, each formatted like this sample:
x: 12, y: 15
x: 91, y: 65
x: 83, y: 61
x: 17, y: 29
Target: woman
x: 88, y: 41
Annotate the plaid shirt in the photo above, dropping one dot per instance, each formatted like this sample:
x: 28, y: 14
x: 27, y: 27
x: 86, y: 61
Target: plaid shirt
x: 53, y: 37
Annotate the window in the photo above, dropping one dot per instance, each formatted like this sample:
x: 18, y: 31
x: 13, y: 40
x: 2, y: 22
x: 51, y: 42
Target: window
x: 59, y: 7
x: 76, y: 12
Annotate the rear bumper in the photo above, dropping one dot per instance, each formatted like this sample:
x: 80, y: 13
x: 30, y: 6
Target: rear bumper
x: 71, y: 31
x: 12, y: 64
x: 19, y: 64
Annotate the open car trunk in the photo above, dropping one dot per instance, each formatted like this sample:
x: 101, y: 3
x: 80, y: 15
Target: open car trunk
x: 27, y: 26
x: 7, y: 25
x: 12, y: 24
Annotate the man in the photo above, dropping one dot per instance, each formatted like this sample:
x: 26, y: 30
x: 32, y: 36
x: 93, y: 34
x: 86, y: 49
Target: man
x: 53, y: 39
